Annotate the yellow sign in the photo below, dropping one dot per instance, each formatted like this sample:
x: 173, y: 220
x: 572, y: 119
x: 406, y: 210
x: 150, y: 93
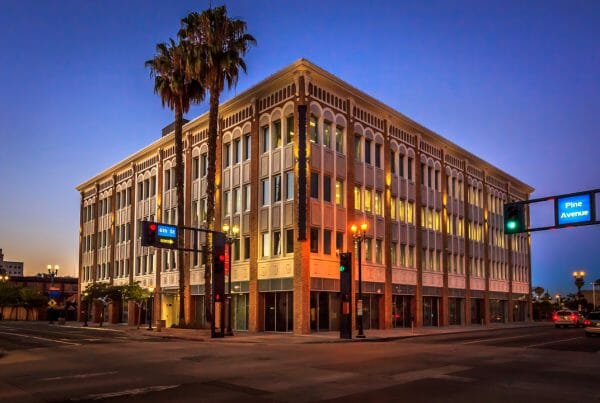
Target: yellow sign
x: 52, y: 303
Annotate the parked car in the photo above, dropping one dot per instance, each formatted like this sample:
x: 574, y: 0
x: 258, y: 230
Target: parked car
x: 592, y: 324
x: 566, y: 318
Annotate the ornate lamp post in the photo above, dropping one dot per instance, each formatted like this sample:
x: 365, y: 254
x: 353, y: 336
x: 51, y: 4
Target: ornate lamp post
x: 150, y: 307
x: 85, y: 315
x: 579, y: 281
x: 359, y: 236
x: 231, y: 234
x: 52, y: 272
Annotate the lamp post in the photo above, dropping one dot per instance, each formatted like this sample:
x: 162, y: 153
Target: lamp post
x: 150, y: 307
x: 52, y: 272
x: 231, y: 234
x: 579, y: 281
x: 557, y: 296
x: 594, y: 283
x: 359, y: 236
x: 3, y: 277
x: 85, y: 317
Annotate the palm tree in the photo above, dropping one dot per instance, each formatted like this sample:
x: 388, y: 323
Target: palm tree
x: 218, y: 44
x: 177, y: 91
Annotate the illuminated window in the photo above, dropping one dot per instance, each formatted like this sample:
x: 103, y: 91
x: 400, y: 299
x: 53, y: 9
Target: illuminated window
x: 357, y: 198
x: 339, y: 139
x: 368, y: 250
x: 378, y: 251
x: 393, y: 207
x: 402, y: 210
x: 265, y: 244
x: 339, y: 192
x: 410, y: 215
x: 368, y: 202
x: 378, y: 204
x: 393, y: 254
x: 357, y: 149
x: 289, y: 132
x: 327, y: 134
x: 314, y: 132
x: 276, y: 134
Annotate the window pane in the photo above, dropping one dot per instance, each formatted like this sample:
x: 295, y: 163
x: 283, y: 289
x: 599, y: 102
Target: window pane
x: 276, y: 243
x: 247, y: 247
x: 327, y: 242
x: 357, y: 149
x: 314, y: 134
x: 368, y: 205
x: 339, y: 192
x: 265, y: 139
x: 327, y: 188
x: 266, y: 199
x: 289, y: 185
x: 289, y: 137
x: 339, y: 241
x: 277, y: 188
x: 357, y: 198
x: 339, y: 140
x: 367, y: 151
x: 327, y: 134
x: 265, y: 244
x: 276, y: 134
x: 314, y: 240
x: 314, y: 185
x: 378, y: 155
x: 289, y: 241
x: 247, y: 146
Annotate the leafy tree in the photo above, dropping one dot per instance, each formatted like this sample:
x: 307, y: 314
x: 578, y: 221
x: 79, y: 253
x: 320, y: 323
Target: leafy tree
x: 9, y: 297
x: 31, y: 299
x: 217, y: 46
x: 539, y: 291
x: 134, y: 292
x: 177, y: 91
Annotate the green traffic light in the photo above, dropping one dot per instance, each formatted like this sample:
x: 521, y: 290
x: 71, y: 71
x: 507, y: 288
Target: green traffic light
x: 511, y: 225
x: 342, y: 268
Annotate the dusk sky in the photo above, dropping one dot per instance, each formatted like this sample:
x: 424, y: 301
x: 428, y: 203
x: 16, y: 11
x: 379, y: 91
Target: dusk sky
x: 515, y: 84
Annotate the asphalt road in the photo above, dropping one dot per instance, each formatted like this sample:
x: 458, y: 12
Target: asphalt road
x: 57, y: 364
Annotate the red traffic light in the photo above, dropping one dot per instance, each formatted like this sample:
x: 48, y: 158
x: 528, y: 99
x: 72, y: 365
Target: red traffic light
x: 222, y: 258
x: 153, y: 227
x: 217, y: 297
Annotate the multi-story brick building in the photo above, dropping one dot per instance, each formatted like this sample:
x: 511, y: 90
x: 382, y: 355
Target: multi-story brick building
x: 301, y: 156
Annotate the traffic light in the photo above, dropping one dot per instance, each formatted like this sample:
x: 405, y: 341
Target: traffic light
x: 149, y: 230
x: 345, y: 295
x: 514, y: 218
x: 218, y: 283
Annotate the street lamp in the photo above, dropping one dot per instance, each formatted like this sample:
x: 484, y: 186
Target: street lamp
x: 231, y: 234
x: 579, y: 281
x: 359, y: 236
x: 150, y: 307
x: 52, y: 272
x: 85, y: 318
x: 557, y: 296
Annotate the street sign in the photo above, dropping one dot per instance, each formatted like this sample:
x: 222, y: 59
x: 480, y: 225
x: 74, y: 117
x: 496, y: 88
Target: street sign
x: 54, y: 294
x: 574, y: 209
x: 51, y: 303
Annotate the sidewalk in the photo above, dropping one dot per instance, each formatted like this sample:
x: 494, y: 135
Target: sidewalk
x: 372, y: 335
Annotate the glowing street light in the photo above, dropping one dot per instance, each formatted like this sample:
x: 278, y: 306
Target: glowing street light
x: 359, y: 236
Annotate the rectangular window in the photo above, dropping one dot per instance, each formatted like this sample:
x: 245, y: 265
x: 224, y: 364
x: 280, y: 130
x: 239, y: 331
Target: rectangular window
x: 195, y: 167
x: 289, y: 185
x: 314, y: 185
x: 357, y: 198
x: 368, y: 250
x: 367, y: 151
x: 204, y: 164
x: 247, y: 146
x: 393, y: 206
x: 327, y: 188
x: 265, y: 244
x: 378, y: 251
x: 410, y: 169
x: 368, y: 202
x: 423, y: 173
x: 327, y: 134
x: 237, y: 200
x: 314, y: 132
x: 276, y: 134
x: 246, y: 247
x: 339, y: 139
x: 393, y: 256
x: 247, y: 196
x: 289, y: 129
x: 339, y: 192
x: 378, y: 204
x: 410, y: 215
x: 357, y: 152
x: 276, y: 188
x: 401, y: 165
x: 226, y: 205
x: 236, y: 249
x: 289, y: 241
x: 392, y: 162
x: 265, y: 138
x: 314, y: 240
x: 437, y: 180
x: 276, y: 243
x: 266, y: 197
x: 403, y: 255
x: 236, y: 150
x: 327, y: 242
x: 411, y: 256
x: 226, y: 154
x: 339, y: 241
x: 378, y: 155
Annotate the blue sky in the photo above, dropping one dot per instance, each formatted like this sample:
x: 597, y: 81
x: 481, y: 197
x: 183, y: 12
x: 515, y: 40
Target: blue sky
x: 514, y: 83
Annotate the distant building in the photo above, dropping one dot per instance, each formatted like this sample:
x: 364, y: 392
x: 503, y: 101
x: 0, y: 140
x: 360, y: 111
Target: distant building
x: 10, y: 268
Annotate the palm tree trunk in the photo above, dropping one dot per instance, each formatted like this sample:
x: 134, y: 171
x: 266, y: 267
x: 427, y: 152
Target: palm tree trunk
x: 213, y: 116
x: 179, y: 170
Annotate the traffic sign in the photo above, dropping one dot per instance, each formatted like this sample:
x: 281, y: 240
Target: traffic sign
x: 51, y: 303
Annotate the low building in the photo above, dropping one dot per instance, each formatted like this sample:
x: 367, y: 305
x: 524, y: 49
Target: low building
x: 10, y: 268
x: 301, y: 157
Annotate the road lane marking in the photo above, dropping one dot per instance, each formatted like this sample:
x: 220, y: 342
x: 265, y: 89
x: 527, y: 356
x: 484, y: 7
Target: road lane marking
x: 495, y: 339
x: 552, y: 342
x: 412, y: 376
x: 128, y: 392
x: 79, y: 376
x: 41, y: 338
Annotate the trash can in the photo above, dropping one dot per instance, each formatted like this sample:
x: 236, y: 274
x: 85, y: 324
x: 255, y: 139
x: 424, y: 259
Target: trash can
x: 160, y: 324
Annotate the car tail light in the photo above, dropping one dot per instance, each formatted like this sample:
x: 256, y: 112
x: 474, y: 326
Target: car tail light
x: 555, y: 317
x: 573, y: 317
x: 587, y: 322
